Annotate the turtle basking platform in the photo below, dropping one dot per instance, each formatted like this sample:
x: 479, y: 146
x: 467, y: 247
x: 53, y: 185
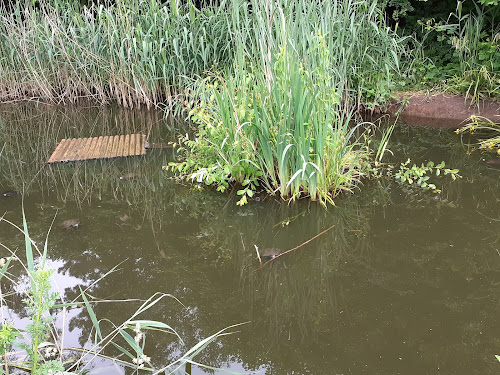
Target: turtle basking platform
x: 104, y: 147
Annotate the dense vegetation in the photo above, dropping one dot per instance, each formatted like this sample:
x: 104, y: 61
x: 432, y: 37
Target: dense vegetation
x: 458, y: 43
x: 280, y: 117
x: 273, y: 86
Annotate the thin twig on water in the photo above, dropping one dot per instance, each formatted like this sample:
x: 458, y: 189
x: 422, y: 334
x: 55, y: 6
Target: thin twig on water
x: 295, y: 248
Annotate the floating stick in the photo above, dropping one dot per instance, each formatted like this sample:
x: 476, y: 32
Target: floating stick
x: 289, y: 251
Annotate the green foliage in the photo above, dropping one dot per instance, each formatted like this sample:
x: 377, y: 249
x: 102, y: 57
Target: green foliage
x: 146, y: 52
x: 7, y: 336
x: 136, y: 53
x: 280, y: 120
x: 489, y: 2
x: 38, y: 303
x: 485, y: 128
x: 420, y: 175
x: 462, y: 53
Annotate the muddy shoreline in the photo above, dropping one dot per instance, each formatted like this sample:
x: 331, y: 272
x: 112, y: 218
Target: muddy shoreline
x: 440, y: 110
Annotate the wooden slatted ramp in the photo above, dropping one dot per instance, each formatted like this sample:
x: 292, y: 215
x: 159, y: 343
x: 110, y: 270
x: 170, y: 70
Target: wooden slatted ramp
x: 103, y: 147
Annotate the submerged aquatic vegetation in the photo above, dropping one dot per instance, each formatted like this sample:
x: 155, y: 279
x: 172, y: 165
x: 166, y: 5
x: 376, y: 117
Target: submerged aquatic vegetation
x: 39, y: 347
x: 282, y: 119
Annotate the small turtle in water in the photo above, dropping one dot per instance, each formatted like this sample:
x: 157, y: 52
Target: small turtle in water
x: 70, y: 223
x: 270, y: 253
x: 9, y: 193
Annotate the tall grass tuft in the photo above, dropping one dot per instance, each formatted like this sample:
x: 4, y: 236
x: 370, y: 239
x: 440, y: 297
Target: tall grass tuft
x: 132, y: 52
x: 281, y: 117
x: 477, y: 51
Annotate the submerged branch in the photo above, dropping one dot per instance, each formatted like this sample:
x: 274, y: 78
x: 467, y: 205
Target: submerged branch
x: 295, y: 248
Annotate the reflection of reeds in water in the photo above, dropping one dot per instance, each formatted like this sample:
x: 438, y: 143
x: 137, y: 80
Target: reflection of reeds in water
x: 30, y: 134
x: 298, y: 293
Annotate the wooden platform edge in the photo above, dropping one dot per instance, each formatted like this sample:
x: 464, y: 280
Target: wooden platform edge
x: 102, y: 147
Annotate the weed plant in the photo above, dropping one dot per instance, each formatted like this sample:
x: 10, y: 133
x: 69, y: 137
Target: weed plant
x: 281, y: 119
x: 460, y: 55
x: 39, y: 347
x: 488, y: 130
x: 478, y: 53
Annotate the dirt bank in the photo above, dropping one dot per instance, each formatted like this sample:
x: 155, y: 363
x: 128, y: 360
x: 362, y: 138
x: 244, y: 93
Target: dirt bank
x: 441, y: 110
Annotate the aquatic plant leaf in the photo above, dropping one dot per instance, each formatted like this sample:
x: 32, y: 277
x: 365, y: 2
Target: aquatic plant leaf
x: 123, y: 350
x: 130, y: 340
x: 29, y: 249
x: 91, y: 314
x: 152, y: 325
x: 46, y: 244
x: 5, y: 267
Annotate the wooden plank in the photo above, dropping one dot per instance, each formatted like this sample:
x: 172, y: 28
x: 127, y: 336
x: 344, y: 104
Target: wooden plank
x: 143, y: 144
x: 102, y: 147
x: 119, y: 150
x: 133, y: 139
x: 126, y: 145
x: 106, y: 144
x: 68, y: 151
x: 140, y: 146
x: 61, y: 147
x: 85, y: 149
x: 77, y: 151
x: 116, y: 145
x: 91, y: 147
x: 98, y: 147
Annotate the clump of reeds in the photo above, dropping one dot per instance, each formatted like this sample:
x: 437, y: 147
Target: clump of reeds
x: 132, y: 52
x: 281, y: 118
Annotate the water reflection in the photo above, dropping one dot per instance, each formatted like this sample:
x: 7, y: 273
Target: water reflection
x: 405, y: 281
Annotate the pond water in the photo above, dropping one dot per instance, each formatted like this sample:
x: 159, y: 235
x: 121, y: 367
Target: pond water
x: 406, y: 282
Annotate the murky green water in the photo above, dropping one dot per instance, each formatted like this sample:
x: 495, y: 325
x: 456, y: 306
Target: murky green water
x: 404, y: 283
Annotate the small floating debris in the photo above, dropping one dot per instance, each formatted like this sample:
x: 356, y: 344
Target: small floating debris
x: 10, y: 193
x: 128, y: 176
x: 103, y: 147
x: 148, y: 145
x: 124, y: 218
x: 494, y: 162
x: 70, y: 223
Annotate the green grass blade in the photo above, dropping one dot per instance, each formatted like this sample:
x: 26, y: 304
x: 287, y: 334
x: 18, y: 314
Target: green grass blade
x: 92, y: 315
x: 29, y: 249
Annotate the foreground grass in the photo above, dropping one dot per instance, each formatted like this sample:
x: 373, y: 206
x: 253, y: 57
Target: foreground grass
x: 39, y: 347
